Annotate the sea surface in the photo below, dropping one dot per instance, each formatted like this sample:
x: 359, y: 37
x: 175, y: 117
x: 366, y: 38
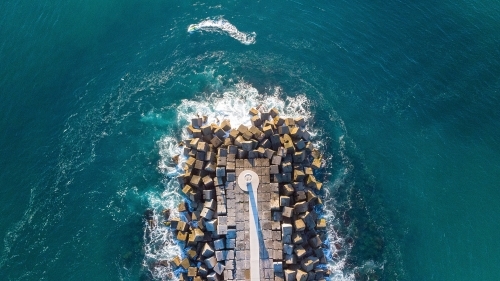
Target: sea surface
x: 403, y: 98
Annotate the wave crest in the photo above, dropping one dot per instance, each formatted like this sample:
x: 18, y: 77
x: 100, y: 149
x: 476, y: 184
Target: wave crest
x: 223, y: 26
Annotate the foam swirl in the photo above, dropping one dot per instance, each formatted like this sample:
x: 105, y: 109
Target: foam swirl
x: 223, y: 26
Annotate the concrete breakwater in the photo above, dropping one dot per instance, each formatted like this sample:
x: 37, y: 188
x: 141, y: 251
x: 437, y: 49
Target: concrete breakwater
x: 251, y: 202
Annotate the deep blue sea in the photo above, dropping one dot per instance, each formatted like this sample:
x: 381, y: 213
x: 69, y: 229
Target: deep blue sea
x: 403, y: 98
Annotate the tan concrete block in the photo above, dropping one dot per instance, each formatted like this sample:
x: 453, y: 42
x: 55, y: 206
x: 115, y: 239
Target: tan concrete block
x: 299, y: 225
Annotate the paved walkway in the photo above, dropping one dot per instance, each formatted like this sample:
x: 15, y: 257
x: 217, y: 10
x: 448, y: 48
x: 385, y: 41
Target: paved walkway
x: 249, y: 181
x: 255, y: 241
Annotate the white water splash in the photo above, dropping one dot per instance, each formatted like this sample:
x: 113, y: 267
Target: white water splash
x: 223, y: 26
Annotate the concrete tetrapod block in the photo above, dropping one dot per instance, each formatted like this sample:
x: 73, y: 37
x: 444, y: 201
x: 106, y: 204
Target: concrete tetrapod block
x: 316, y: 164
x: 219, y: 268
x: 210, y: 204
x: 208, y: 194
x: 287, y: 212
x: 202, y: 146
x: 225, y: 125
x: 321, y: 224
x: 220, y: 171
x: 274, y: 112
x: 220, y: 255
x: 185, y: 263
x: 274, y: 204
x: 284, y: 201
x: 230, y: 243
x: 211, y: 225
x: 233, y: 134
x: 195, y: 180
x: 291, y: 259
x: 309, y: 220
x: 300, y: 207
x: 182, y: 236
x: 203, y: 270
x: 287, y: 190
x: 211, y: 262
x: 176, y: 262
x: 318, y: 252
x: 192, y: 271
x: 247, y: 145
x: 253, y: 111
x: 288, y: 249
x: 210, y: 167
x: 213, y: 276
x: 182, y: 226
x: 207, y: 213
x: 219, y: 244
x: 278, y: 266
x: 197, y: 234
x: 309, y: 263
x: 198, y: 165
x: 286, y: 230
x: 299, y: 225
x: 207, y: 250
x: 192, y: 253
x: 301, y: 275
x: 299, y: 251
x: 286, y: 167
x: 290, y: 275
x: 315, y: 241
x: 264, y: 116
x: 297, y: 238
x: 196, y: 122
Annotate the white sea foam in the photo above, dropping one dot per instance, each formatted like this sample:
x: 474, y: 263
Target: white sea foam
x: 232, y: 105
x: 223, y: 26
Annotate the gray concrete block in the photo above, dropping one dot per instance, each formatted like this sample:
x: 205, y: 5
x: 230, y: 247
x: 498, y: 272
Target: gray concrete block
x: 276, y: 160
x: 222, y: 229
x: 231, y: 176
x: 210, y: 204
x: 290, y: 275
x: 221, y: 161
x: 300, y: 207
x: 287, y: 212
x: 206, y: 213
x: 213, y: 276
x: 207, y: 250
x: 301, y: 275
x: 230, y: 243
x: 230, y: 255
x: 220, y: 171
x: 231, y: 166
x: 231, y: 234
x: 208, y: 194
x: 211, y: 225
x: 220, y: 255
x: 219, y: 244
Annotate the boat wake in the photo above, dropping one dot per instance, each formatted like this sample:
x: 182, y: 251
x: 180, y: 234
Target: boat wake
x: 223, y: 26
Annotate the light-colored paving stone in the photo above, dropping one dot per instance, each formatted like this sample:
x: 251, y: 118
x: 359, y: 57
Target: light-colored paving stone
x: 248, y: 181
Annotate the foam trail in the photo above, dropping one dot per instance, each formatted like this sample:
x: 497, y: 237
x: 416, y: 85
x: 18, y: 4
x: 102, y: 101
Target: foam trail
x: 232, y: 105
x: 221, y: 25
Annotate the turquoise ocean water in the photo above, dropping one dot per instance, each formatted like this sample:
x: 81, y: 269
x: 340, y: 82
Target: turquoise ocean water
x: 403, y: 98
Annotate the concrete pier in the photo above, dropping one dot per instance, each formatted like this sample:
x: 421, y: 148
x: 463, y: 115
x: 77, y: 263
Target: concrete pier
x: 252, y: 198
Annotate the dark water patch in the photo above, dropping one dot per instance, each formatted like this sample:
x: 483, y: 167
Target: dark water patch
x: 372, y: 248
